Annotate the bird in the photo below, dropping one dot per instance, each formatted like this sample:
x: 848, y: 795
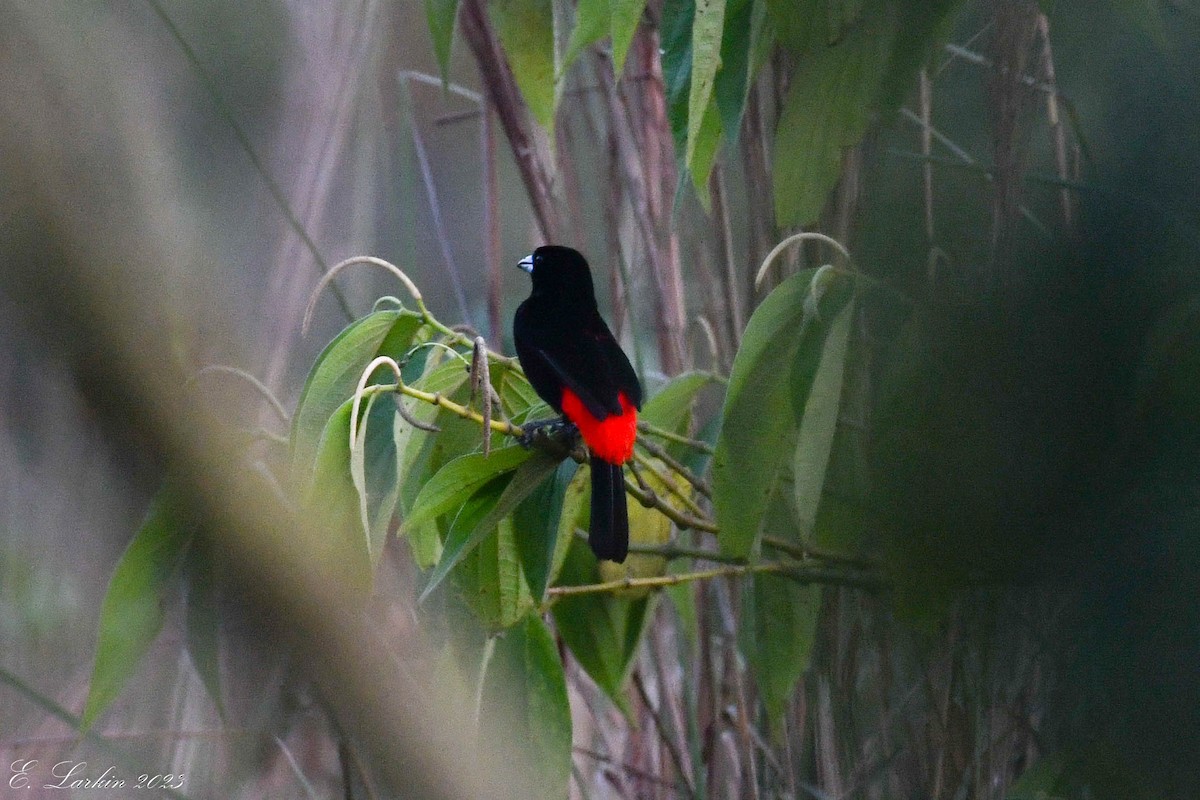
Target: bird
x: 575, y: 364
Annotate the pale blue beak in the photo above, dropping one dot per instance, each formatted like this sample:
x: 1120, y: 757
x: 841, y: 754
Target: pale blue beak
x: 526, y: 263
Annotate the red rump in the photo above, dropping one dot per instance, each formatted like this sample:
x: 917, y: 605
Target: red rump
x: 611, y: 438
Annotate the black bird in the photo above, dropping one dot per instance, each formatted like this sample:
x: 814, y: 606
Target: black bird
x: 574, y: 363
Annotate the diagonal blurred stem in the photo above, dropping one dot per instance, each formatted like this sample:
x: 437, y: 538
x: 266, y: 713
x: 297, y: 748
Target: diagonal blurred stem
x: 244, y: 142
x: 435, y: 209
x: 530, y: 150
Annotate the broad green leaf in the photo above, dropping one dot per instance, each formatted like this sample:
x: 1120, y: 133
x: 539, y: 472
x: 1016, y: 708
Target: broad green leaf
x: 675, y: 34
x: 204, y: 620
x: 842, y: 527
x: 529, y: 475
x: 704, y: 154
x: 922, y: 31
x: 707, y: 25
x: 778, y: 632
x: 459, y: 479
x: 683, y: 599
x: 768, y: 386
x: 516, y: 395
x: 411, y: 442
x: 373, y: 471
x: 626, y: 14
x: 840, y: 15
x: 671, y: 406
x: 131, y: 614
x: 526, y: 31
x: 592, y: 23
x: 827, y: 110
x: 573, y: 517
x: 1147, y: 16
x: 1098, y: 770
x: 441, y: 16
x: 536, y: 523
x: 743, y: 25
x: 524, y: 700
x: 415, y: 449
x: 602, y: 631
x: 490, y: 578
x: 332, y: 500
x: 799, y: 24
x: 334, y: 375
x: 671, y: 409
x: 815, y: 438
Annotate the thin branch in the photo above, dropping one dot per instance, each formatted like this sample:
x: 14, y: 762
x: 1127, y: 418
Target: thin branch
x: 668, y: 482
x: 330, y: 274
x: 659, y: 581
x: 628, y: 769
x: 797, y: 238
x: 677, y: 466
x: 258, y: 385
x: 438, y: 399
x: 807, y: 552
x: 664, y: 735
x: 671, y: 436
x: 650, y: 499
x: 433, y: 80
x: 671, y: 552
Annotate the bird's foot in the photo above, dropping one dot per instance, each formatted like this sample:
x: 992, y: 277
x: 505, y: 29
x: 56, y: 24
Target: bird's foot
x: 558, y: 432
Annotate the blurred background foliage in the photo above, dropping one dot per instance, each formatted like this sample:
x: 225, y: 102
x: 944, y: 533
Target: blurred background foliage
x: 1008, y: 431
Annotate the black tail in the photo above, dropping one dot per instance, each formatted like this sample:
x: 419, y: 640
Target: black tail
x: 608, y: 533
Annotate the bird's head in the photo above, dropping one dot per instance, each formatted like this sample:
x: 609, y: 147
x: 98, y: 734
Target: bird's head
x: 560, y: 272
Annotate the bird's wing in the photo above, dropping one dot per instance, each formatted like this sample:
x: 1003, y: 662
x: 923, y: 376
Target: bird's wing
x: 597, y: 396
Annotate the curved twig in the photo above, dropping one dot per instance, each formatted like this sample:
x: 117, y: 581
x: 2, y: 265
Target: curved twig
x: 258, y: 385
x: 337, y: 268
x: 361, y: 389
x: 806, y: 236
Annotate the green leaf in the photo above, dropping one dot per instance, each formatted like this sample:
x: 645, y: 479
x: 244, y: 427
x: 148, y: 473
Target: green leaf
x: 768, y: 387
x: 525, y: 702
x: 416, y: 451
x: 683, y: 599
x: 517, y: 397
x: 526, y: 31
x: 529, y: 475
x: 490, y: 577
x: 441, y: 16
x: 592, y: 23
x: 675, y: 34
x: 743, y: 26
x: 536, y: 522
x: 373, y: 471
x: 819, y: 423
x: 1147, y: 16
x: 602, y: 631
x: 671, y: 406
x: 704, y: 156
x: 826, y: 110
x: 707, y: 25
x: 625, y: 14
x: 131, y: 614
x: 778, y: 636
x: 204, y: 620
x: 332, y: 500
x: 335, y: 375
x: 1098, y: 770
x: 460, y: 479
